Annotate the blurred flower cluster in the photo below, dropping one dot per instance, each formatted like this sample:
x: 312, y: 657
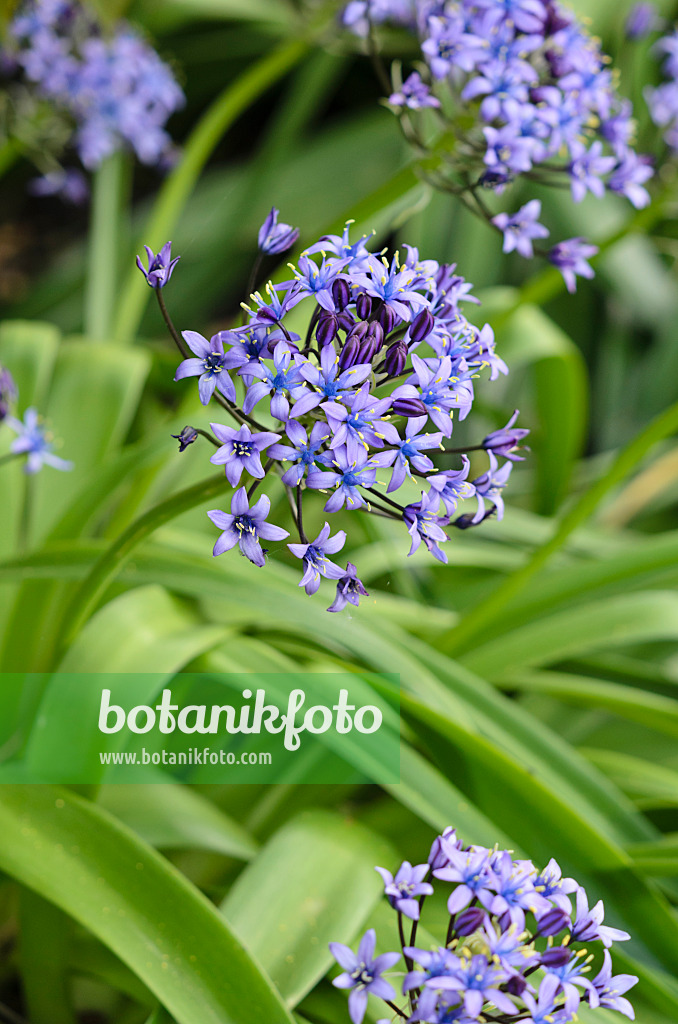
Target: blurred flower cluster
x: 663, y: 101
x: 33, y: 440
x: 113, y: 89
x: 356, y: 406
x: 519, y: 88
x: 508, y: 923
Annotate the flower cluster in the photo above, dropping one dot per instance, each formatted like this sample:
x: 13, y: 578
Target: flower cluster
x: 354, y: 410
x: 516, y: 944
x: 525, y: 90
x: 663, y: 101
x: 115, y: 89
x: 33, y: 441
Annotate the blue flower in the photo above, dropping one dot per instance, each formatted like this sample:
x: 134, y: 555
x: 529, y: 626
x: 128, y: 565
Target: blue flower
x: 588, y: 924
x: 275, y: 238
x: 407, y: 884
x: 303, y: 452
x: 33, y: 441
x: 424, y: 523
x: 328, y: 381
x: 570, y: 258
x: 245, y: 527
x: 489, y: 486
x: 452, y: 486
x: 347, y: 476
x: 210, y: 365
x: 349, y: 590
x: 160, y: 266
x: 414, y: 94
x: 610, y: 990
x: 567, y: 979
x: 477, y: 982
x: 506, y: 442
x: 241, y: 450
x: 282, y: 380
x: 360, y: 423
x: 391, y: 284
x: 362, y: 973
x: 409, y: 455
x: 316, y: 562
x: 472, y: 872
x: 521, y: 228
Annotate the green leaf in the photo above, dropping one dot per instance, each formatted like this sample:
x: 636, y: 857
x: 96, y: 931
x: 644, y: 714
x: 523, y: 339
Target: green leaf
x: 648, y: 709
x: 78, y: 857
x: 658, y: 859
x: 613, y: 622
x: 651, y: 785
x: 177, y: 818
x: 292, y: 900
x: 560, y: 394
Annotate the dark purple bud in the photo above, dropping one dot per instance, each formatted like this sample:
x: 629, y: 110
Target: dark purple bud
x: 493, y: 179
x: 469, y: 920
x: 388, y: 319
x: 558, y: 956
x: 516, y: 985
x: 358, y: 332
x: 409, y: 407
x: 345, y: 321
x: 187, y: 436
x: 326, y: 331
x: 341, y: 293
x: 363, y: 306
x: 349, y: 354
x: 395, y: 358
x: 466, y: 521
x: 422, y: 325
x: 553, y: 921
x: 368, y: 350
x: 376, y: 331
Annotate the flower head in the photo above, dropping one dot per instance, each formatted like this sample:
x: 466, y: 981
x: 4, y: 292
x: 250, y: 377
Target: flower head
x: 349, y: 590
x: 275, y: 238
x: 34, y: 441
x: 160, y: 266
x: 245, y: 527
x: 362, y: 973
x: 316, y: 562
x: 241, y: 450
x: 211, y: 365
x: 405, y: 887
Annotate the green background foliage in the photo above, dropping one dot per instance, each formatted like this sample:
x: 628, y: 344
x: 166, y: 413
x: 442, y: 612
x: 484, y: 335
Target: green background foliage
x: 538, y: 670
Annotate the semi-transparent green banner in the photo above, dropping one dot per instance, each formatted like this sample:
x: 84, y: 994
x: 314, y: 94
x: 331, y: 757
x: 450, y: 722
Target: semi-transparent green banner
x: 244, y: 728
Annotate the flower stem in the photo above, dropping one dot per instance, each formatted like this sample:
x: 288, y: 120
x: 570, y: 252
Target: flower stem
x: 300, y: 517
x: 108, y: 196
x: 396, y: 1009
x: 10, y: 456
x: 176, y: 337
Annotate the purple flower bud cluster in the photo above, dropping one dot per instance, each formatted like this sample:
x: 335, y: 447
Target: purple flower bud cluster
x: 356, y: 409
x: 663, y: 101
x: 532, y: 94
x: 115, y: 89
x: 508, y: 921
x: 33, y: 440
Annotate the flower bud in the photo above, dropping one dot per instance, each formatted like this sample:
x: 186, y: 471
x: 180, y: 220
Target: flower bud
x: 345, y: 321
x: 187, y: 436
x: 388, y: 319
x: 395, y: 358
x: 553, y: 921
x: 349, y: 353
x: 409, y: 407
x: 341, y: 293
x: 358, y: 332
x: 376, y: 331
x: 516, y: 985
x: 469, y: 920
x: 368, y: 349
x: 363, y: 305
x: 326, y: 330
x: 557, y: 956
x: 422, y: 325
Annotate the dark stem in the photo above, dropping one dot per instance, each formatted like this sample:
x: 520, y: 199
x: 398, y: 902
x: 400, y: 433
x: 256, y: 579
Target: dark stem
x: 401, y: 931
x: 450, y: 930
x: 381, y: 511
x: 254, y: 274
x: 395, y: 1008
x: 176, y: 337
x: 208, y: 437
x: 383, y: 497
x: 377, y: 64
x: 300, y: 517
